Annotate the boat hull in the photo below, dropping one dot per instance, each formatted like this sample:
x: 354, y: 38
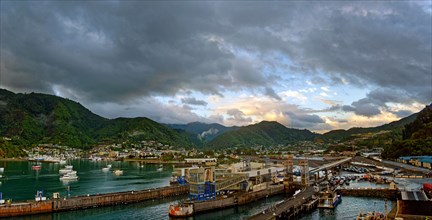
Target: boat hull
x: 181, y: 211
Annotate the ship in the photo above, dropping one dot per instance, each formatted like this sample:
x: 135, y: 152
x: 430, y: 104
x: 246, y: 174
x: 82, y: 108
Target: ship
x: 329, y: 199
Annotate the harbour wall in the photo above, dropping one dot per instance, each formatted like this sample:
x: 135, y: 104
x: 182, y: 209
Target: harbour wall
x: 368, y: 192
x: 82, y: 202
x: 241, y: 199
x: 250, y: 197
x: 25, y: 208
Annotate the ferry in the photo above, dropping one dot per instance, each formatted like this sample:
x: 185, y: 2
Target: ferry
x: 329, y: 199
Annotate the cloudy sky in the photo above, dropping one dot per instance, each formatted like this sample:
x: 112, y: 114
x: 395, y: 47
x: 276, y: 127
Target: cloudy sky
x: 319, y: 65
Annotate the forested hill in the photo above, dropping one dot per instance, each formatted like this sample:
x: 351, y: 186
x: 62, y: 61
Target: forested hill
x: 417, y: 137
x: 34, y: 118
x: 265, y: 133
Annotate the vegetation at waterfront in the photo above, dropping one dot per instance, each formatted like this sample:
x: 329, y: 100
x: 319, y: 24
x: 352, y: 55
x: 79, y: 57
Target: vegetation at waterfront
x: 7, y: 150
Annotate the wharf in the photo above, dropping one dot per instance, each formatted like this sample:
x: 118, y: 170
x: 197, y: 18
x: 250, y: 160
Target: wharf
x: 369, y: 192
x: 241, y: 199
x: 288, y: 208
x: 83, y: 202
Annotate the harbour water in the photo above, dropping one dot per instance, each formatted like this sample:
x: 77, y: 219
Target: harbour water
x: 21, y: 183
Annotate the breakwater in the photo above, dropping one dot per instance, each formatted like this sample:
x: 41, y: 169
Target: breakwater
x: 89, y: 201
x: 369, y: 192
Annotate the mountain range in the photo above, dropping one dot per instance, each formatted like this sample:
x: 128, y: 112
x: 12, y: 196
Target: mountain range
x: 34, y: 118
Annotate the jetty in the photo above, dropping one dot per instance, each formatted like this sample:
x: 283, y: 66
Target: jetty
x: 57, y: 204
x: 289, y: 208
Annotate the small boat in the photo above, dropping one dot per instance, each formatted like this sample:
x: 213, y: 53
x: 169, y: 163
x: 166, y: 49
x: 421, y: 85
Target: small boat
x: 181, y: 210
x: 329, y: 199
x: 105, y: 169
x: 69, y: 176
x: 36, y: 167
x: 109, y: 166
x: 118, y: 172
x: 66, y: 169
x: 159, y: 169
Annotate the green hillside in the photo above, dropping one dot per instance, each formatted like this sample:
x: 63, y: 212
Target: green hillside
x: 264, y: 133
x: 31, y: 119
x: 417, y: 137
x: 395, y: 127
x: 139, y: 129
x: 201, y: 133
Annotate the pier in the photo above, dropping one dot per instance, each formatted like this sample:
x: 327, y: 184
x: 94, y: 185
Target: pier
x: 89, y: 201
x: 369, y: 192
x: 289, y: 208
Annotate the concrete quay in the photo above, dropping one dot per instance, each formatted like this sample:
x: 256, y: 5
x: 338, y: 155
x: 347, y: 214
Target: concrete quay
x: 289, y: 208
x: 369, y: 192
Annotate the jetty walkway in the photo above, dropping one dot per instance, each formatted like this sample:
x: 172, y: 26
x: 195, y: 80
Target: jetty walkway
x: 287, y: 207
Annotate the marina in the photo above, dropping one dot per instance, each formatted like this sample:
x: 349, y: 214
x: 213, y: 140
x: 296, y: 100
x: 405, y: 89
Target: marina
x: 298, y: 206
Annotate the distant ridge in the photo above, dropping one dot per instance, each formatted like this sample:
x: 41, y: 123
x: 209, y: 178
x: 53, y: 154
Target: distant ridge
x: 346, y: 134
x: 34, y: 118
x: 201, y: 133
x: 264, y: 133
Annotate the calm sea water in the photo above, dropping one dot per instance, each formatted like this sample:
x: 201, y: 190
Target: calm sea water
x: 21, y: 182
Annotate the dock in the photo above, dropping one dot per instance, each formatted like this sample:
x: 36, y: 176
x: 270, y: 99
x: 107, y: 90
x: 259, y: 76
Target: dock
x: 369, y: 192
x: 289, y: 208
x: 89, y: 201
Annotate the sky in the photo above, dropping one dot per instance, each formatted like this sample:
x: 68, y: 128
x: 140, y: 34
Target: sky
x: 317, y: 65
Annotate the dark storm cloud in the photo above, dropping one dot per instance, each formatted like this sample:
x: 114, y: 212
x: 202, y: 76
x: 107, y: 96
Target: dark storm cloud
x: 271, y: 93
x: 193, y: 101
x: 375, y: 101
x: 301, y: 120
x: 403, y: 113
x: 115, y: 51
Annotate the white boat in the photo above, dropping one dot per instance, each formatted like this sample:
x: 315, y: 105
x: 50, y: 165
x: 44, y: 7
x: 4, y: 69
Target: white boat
x: 118, y: 172
x: 105, y: 169
x: 159, y: 169
x: 69, y: 176
x: 62, y: 162
x: 1, y: 169
x: 65, y: 170
x: 109, y: 165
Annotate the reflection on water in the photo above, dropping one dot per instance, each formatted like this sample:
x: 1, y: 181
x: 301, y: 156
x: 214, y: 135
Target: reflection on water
x: 21, y: 182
